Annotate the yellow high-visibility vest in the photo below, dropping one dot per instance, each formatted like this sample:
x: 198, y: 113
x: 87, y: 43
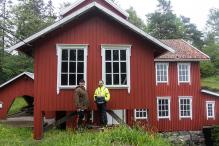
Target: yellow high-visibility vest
x: 102, y: 91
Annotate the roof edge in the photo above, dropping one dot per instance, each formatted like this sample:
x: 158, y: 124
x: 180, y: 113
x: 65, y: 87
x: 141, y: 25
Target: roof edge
x: 210, y: 92
x: 66, y: 10
x: 29, y: 74
x: 184, y: 60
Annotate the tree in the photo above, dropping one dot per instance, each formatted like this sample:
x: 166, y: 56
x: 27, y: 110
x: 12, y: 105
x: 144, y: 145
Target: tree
x: 134, y: 19
x: 163, y: 24
x: 213, y: 23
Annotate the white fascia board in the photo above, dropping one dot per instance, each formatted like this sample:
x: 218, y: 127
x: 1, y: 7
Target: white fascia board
x: 196, y: 49
x: 31, y: 75
x: 84, y: 9
x: 210, y: 92
x: 181, y: 60
x: 67, y: 9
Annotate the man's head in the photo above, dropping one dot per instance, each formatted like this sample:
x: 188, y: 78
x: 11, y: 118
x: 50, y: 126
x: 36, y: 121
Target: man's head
x: 81, y: 83
x: 101, y: 83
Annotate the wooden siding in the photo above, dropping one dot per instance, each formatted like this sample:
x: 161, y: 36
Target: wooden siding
x: 22, y: 86
x: 102, y: 2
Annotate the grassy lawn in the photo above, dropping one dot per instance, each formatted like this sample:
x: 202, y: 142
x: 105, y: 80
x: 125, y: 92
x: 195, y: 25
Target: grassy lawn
x: 121, y: 136
x: 17, y: 105
x: 211, y: 83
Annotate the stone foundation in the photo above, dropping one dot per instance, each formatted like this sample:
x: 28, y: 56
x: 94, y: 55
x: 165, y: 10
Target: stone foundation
x: 185, y: 138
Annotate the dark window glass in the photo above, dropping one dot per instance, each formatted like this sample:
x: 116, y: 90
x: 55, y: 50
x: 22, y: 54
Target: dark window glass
x: 115, y: 55
x: 72, y: 67
x: 115, y: 67
x: 108, y: 55
x: 64, y: 54
x: 123, y: 79
x: 80, y: 67
x: 116, y: 79
x: 108, y: 67
x: 72, y: 79
x: 79, y: 77
x: 73, y: 55
x: 80, y: 55
x: 64, y: 78
x: 64, y: 67
x: 108, y: 79
x: 123, y: 67
x: 123, y: 55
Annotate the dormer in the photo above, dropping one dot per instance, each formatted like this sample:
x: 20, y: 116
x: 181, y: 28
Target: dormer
x: 106, y: 3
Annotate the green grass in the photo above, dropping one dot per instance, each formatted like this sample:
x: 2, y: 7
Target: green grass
x: 211, y: 83
x: 121, y: 136
x: 17, y: 105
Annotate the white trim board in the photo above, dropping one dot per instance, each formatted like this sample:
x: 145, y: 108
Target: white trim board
x: 83, y: 10
x: 210, y: 92
x: 31, y: 75
x: 66, y: 10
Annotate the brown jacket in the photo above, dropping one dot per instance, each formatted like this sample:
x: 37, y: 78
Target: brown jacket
x: 81, y: 98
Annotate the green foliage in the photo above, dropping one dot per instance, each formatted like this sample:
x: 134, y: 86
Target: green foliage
x: 213, y: 23
x: 211, y: 83
x: 207, y: 69
x: 134, y: 19
x: 215, y: 135
x: 121, y: 136
x: 17, y: 105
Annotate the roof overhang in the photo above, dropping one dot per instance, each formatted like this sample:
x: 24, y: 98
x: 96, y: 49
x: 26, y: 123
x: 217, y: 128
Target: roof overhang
x: 180, y: 60
x: 78, y: 2
x: 81, y: 11
x: 30, y: 75
x: 210, y: 92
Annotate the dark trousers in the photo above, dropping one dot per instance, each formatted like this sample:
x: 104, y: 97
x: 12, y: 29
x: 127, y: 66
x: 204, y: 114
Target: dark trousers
x: 80, y: 118
x: 103, y: 117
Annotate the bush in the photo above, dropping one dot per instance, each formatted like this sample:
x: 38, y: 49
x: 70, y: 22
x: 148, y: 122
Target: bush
x: 207, y: 69
x: 215, y: 135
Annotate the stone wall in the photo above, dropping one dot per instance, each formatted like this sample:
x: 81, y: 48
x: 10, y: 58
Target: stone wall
x: 185, y: 138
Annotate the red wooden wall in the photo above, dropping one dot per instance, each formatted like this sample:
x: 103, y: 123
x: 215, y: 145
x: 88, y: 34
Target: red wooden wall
x: 20, y: 87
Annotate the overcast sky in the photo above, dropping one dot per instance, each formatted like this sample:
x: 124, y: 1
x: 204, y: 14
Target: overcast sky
x: 197, y: 10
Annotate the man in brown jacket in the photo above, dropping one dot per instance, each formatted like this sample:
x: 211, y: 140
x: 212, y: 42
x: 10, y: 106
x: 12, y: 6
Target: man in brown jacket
x: 81, y: 101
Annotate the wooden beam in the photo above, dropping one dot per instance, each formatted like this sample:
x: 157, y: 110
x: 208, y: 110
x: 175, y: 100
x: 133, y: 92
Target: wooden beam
x: 116, y: 117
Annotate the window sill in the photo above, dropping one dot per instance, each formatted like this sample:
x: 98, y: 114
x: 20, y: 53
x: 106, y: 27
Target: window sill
x: 116, y: 87
x: 141, y: 118
x: 162, y: 82
x: 185, y: 118
x: 67, y: 87
x: 160, y: 118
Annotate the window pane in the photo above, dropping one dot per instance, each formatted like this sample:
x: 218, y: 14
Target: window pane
x: 80, y: 55
x: 72, y: 79
x: 64, y: 67
x: 108, y: 55
x: 80, y: 67
x: 123, y: 79
x: 73, y: 55
x: 123, y: 67
x: 122, y: 55
x: 108, y: 79
x: 115, y: 67
x: 79, y: 77
x: 64, y: 80
x: 115, y: 55
x: 72, y: 67
x: 116, y: 79
x: 108, y: 67
x: 64, y: 54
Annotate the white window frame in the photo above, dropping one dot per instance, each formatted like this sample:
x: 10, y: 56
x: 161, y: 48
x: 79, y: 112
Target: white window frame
x: 128, y: 56
x: 169, y: 109
x: 213, y: 109
x: 189, y: 72
x: 185, y: 97
x: 143, y: 111
x: 59, y: 48
x: 167, y: 67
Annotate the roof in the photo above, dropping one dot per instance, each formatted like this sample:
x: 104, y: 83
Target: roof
x: 30, y: 75
x: 183, y: 52
x: 210, y: 92
x: 78, y: 2
x: 81, y: 11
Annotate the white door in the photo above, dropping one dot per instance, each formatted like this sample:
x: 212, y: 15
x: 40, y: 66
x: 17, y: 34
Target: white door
x: 120, y: 113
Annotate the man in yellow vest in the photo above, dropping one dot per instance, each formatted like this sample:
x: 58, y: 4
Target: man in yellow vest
x: 101, y: 97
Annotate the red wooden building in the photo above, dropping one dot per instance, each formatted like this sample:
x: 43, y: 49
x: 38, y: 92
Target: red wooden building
x: 156, y: 82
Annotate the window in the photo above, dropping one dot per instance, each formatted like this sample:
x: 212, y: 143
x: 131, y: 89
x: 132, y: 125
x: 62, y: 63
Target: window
x: 162, y: 72
x: 210, y: 105
x: 163, y: 107
x: 185, y: 107
x: 183, y: 72
x: 141, y: 114
x: 116, y: 65
x: 72, y: 65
